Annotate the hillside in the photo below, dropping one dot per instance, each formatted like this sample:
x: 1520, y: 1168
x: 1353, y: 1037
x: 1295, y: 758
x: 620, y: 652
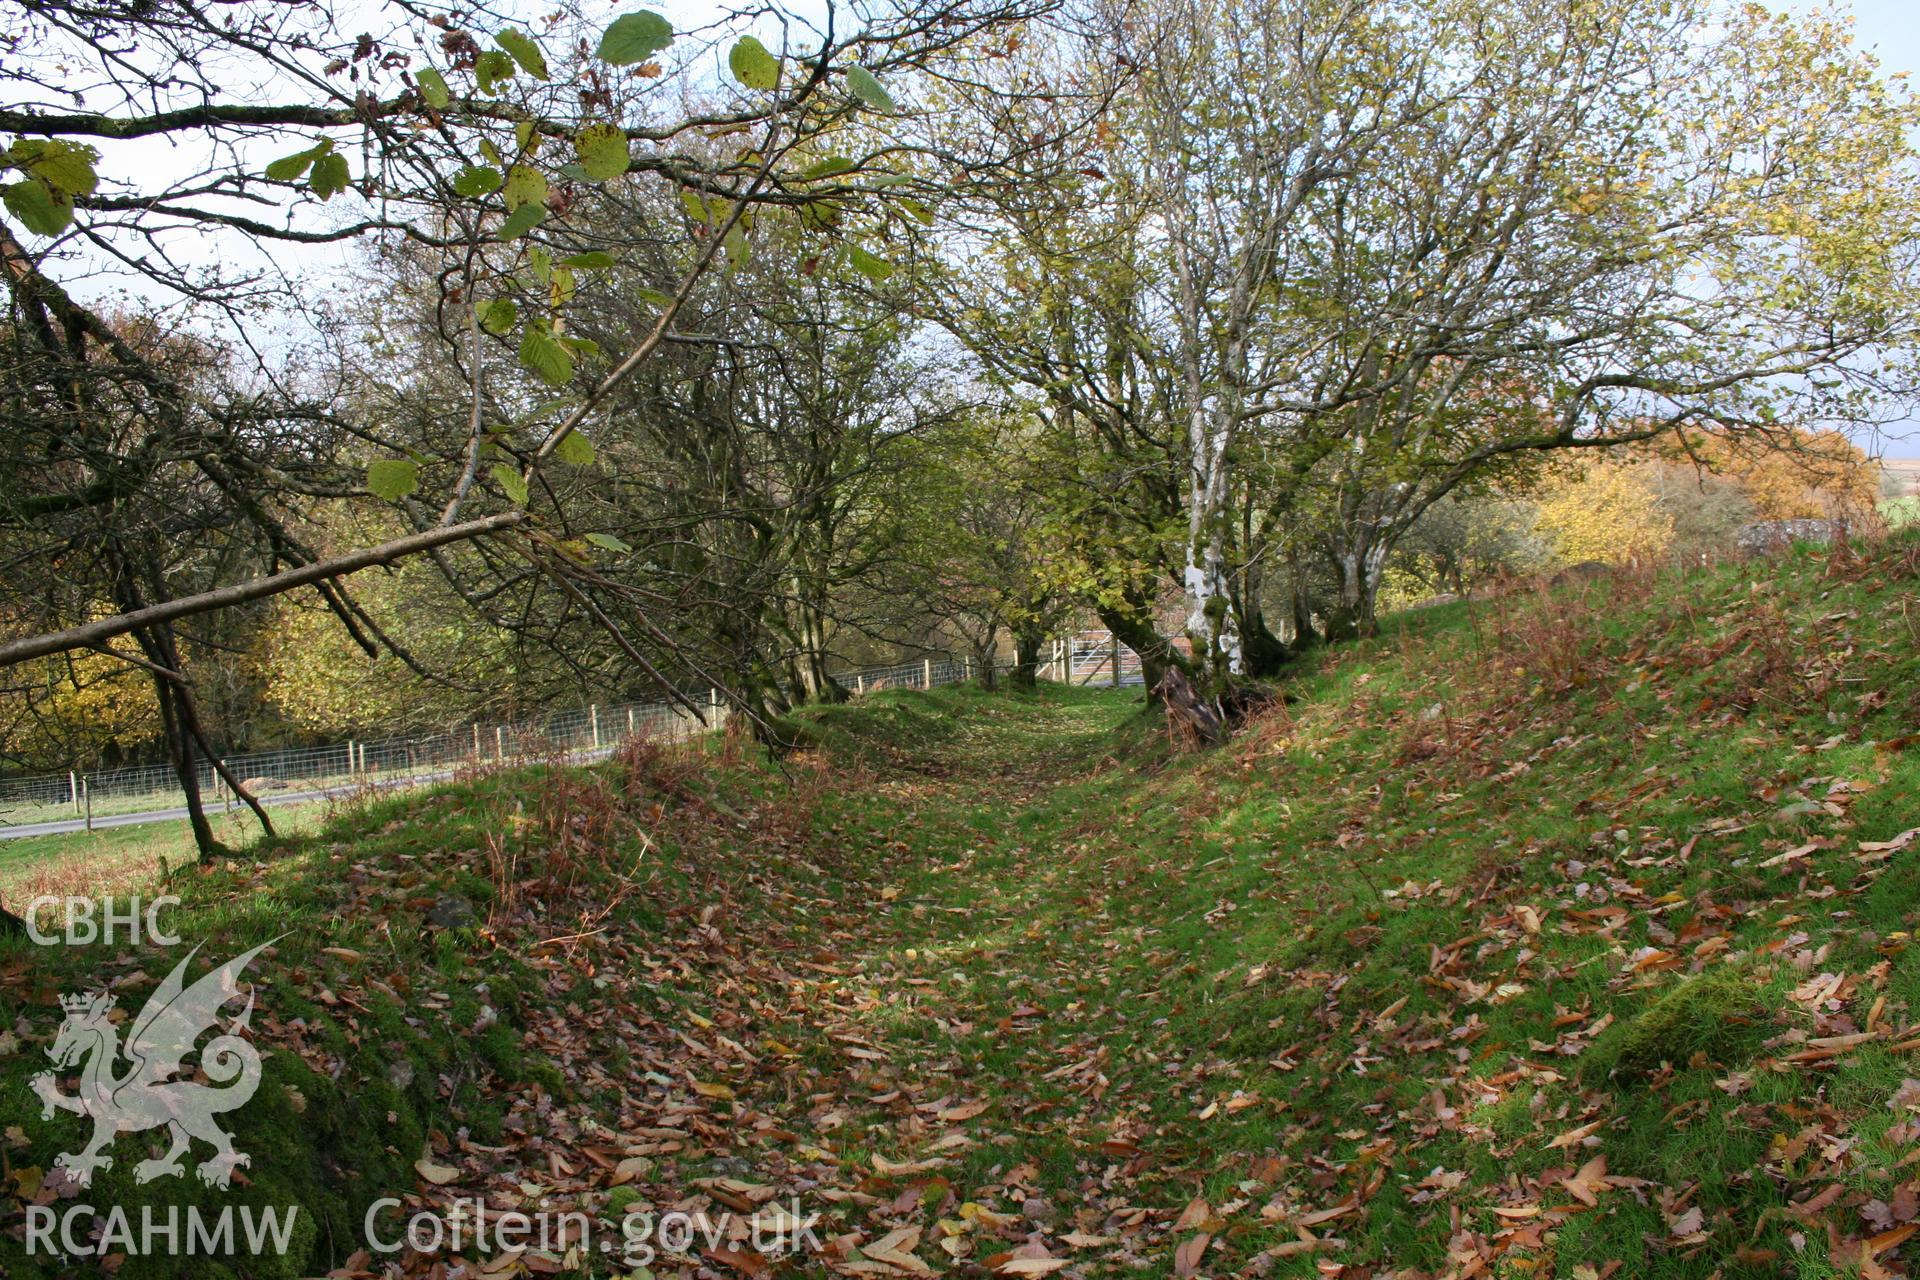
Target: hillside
x: 1562, y: 935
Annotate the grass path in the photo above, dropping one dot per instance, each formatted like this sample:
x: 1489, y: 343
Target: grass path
x: 1564, y: 949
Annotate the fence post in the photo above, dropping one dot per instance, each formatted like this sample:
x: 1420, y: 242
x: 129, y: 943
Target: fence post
x: 87, y: 789
x: 476, y: 742
x: 860, y: 684
x: 499, y: 744
x: 927, y: 668
x: 593, y: 718
x: 629, y: 720
x: 1116, y: 661
x: 73, y: 788
x: 352, y: 768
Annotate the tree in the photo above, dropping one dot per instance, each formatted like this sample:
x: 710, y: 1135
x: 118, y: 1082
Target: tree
x: 978, y: 559
x: 1377, y: 253
x: 1604, y: 241
x: 474, y: 154
x: 1606, y: 511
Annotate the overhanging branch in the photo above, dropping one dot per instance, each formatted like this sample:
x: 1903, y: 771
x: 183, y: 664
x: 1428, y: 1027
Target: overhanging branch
x: 97, y: 633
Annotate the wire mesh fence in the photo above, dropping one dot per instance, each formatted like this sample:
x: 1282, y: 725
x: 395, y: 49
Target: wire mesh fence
x: 582, y: 733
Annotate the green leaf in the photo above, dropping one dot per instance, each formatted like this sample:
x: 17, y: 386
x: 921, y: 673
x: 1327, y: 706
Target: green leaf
x: 496, y: 315
x: 874, y: 269
x: 392, y: 478
x: 509, y: 478
x: 921, y: 213
x: 287, y: 168
x: 525, y: 51
x: 752, y: 65
x: 62, y: 165
x: 607, y: 542
x: 41, y: 209
x: 525, y: 138
x: 541, y: 352
x: 832, y: 166
x: 525, y: 185
x: 635, y: 37
x: 329, y: 176
x: 737, y: 246
x: 575, y: 450
x: 433, y: 88
x: 867, y: 87
x: 490, y: 68
x: 602, y: 149
x: 523, y: 220
x: 476, y: 180
x: 591, y: 260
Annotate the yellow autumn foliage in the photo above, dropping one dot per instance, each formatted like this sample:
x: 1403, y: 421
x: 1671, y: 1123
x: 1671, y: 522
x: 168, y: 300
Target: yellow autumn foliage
x: 76, y: 708
x: 1605, y: 511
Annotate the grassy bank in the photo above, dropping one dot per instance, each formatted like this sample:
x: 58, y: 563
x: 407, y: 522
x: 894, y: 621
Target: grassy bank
x: 1564, y: 936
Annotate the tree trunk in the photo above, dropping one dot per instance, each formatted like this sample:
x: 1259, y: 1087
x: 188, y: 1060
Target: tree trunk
x: 190, y: 721
x: 1305, y: 633
x: 1263, y: 652
x: 1212, y: 627
x: 177, y: 720
x: 815, y: 682
x: 988, y: 677
x: 1359, y: 565
x: 1190, y: 714
x: 181, y: 755
x: 1026, y: 656
x: 1157, y: 653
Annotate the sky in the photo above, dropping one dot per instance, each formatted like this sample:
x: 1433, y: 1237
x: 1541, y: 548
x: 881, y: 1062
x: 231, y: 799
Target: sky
x: 1892, y: 29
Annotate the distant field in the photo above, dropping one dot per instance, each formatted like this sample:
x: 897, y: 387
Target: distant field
x: 1906, y: 473
x: 125, y: 859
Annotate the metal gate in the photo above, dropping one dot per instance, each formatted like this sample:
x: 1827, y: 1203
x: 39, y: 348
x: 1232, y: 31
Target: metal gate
x: 1095, y: 658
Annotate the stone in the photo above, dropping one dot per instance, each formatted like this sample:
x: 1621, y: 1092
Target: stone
x: 452, y: 912
x: 1768, y: 536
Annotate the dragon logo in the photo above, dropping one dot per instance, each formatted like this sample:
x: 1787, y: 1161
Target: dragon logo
x: 145, y: 1095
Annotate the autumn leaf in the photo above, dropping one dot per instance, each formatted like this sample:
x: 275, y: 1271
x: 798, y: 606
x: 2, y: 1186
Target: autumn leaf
x: 1186, y: 1258
x: 438, y: 1174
